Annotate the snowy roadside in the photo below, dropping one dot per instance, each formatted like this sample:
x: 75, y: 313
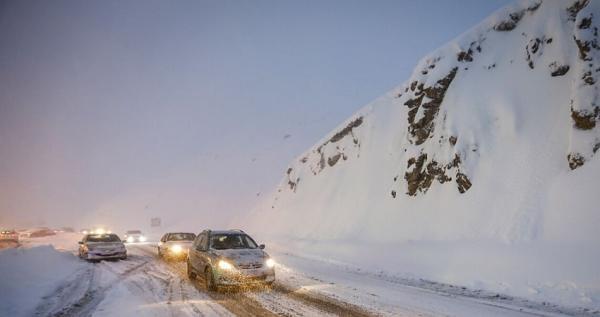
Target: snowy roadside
x: 393, y: 295
x: 27, y: 274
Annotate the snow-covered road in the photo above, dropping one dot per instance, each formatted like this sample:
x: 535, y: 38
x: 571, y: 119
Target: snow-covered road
x: 144, y: 285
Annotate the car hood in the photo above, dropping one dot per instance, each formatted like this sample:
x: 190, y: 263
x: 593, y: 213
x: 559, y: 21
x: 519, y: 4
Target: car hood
x: 105, y: 245
x: 242, y: 256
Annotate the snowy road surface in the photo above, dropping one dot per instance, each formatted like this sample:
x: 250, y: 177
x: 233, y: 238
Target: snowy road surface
x: 144, y: 285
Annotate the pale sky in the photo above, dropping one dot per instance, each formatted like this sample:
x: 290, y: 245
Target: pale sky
x: 112, y: 112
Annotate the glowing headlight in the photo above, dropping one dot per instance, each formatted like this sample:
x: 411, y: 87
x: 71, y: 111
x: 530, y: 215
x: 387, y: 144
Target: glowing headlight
x: 130, y: 239
x: 142, y: 239
x: 176, y: 248
x: 270, y: 263
x: 99, y: 231
x: 223, y: 265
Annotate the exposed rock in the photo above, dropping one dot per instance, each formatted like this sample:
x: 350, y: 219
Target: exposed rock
x: 393, y: 193
x: 588, y: 79
x: 347, y: 130
x: 533, y: 48
x: 465, y: 56
x: 558, y: 70
x: 423, y: 173
x: 511, y: 23
x: 584, y: 120
x: 585, y: 23
x: 452, y: 140
x: 422, y: 128
x: 575, y: 160
x: 574, y: 9
x: 463, y: 182
x: 584, y: 49
x: 334, y: 159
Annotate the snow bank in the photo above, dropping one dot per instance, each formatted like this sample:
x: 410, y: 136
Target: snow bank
x: 480, y: 170
x: 29, y: 274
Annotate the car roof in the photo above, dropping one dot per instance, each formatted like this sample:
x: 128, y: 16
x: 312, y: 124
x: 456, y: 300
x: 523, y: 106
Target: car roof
x: 231, y: 231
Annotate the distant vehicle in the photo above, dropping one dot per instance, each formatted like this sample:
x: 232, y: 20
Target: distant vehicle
x: 41, y: 232
x: 175, y: 245
x: 102, y: 246
x: 9, y: 236
x: 229, y: 258
x: 67, y: 229
x: 132, y: 236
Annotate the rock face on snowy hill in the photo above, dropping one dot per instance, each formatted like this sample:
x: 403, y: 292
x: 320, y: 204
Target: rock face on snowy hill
x: 488, y: 130
x: 494, y: 139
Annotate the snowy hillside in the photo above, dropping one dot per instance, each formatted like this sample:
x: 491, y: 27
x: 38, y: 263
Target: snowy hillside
x: 482, y: 169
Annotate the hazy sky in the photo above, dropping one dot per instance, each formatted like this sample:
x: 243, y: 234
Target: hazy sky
x: 117, y: 110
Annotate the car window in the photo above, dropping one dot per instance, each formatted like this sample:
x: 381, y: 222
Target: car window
x: 232, y: 241
x: 181, y: 237
x: 103, y: 238
x: 201, y: 242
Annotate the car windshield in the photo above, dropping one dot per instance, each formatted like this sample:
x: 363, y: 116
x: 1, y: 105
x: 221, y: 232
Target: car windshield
x: 232, y: 241
x: 103, y: 238
x: 182, y: 237
x: 134, y: 232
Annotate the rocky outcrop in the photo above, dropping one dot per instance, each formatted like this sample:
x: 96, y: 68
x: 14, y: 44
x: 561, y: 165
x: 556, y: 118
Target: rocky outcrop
x: 420, y: 128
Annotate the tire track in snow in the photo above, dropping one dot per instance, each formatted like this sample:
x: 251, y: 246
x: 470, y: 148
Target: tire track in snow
x: 280, y: 300
x: 94, y: 294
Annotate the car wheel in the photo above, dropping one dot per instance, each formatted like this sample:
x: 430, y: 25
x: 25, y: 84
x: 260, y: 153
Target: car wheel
x: 191, y: 275
x: 209, y: 280
x: 124, y: 257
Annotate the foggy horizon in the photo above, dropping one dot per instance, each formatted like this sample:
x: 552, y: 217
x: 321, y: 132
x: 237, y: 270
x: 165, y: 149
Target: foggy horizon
x: 115, y: 112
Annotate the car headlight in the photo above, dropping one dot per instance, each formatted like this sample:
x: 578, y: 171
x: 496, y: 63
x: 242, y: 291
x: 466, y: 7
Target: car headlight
x: 129, y: 239
x: 176, y: 248
x: 142, y: 239
x: 224, y: 265
x: 270, y: 263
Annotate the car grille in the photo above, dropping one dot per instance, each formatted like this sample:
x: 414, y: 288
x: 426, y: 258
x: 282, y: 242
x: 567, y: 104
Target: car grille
x: 250, y: 266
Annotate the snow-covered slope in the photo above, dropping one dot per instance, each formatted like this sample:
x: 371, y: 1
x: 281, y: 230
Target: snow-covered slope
x: 493, y: 139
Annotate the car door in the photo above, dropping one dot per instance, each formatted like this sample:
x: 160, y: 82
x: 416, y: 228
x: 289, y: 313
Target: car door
x: 195, y: 252
x: 163, y: 240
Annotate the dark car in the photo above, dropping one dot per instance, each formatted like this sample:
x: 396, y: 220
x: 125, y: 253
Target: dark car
x: 175, y: 245
x: 42, y: 232
x: 102, y: 247
x: 132, y: 236
x: 229, y: 258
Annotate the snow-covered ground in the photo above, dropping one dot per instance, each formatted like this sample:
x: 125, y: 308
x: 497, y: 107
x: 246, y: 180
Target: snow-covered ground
x: 43, y: 277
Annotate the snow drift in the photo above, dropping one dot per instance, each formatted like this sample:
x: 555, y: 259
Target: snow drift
x: 482, y: 169
x: 29, y: 274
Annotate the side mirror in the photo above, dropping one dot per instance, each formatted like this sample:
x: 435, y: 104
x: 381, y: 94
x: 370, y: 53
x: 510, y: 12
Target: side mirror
x: 262, y: 246
x: 80, y: 242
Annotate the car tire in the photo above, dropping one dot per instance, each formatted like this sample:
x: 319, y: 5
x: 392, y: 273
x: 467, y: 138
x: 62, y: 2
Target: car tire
x: 209, y: 280
x: 190, y: 273
x: 123, y: 258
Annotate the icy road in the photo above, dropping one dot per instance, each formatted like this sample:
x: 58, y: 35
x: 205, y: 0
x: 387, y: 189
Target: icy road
x: 144, y: 285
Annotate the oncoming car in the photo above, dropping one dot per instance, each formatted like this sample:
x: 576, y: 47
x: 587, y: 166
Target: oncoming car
x: 229, y: 258
x: 9, y: 236
x: 175, y: 245
x: 102, y: 247
x: 132, y: 236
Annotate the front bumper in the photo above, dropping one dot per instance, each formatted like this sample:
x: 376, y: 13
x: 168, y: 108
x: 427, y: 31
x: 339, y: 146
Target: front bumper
x: 106, y: 255
x: 244, y: 277
x: 176, y: 255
